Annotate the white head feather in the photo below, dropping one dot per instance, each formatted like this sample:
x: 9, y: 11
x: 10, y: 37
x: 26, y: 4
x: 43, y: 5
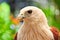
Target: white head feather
x: 35, y: 26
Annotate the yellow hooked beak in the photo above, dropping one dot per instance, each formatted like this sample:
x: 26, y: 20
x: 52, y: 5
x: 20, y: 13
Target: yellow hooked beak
x: 20, y: 17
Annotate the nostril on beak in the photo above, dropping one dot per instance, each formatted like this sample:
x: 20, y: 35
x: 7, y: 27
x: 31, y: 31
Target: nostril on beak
x: 21, y: 14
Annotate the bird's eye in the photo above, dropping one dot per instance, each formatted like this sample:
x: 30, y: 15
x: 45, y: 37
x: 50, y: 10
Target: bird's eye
x: 29, y: 11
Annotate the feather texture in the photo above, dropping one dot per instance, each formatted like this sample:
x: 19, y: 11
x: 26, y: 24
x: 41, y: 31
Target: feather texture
x: 35, y: 26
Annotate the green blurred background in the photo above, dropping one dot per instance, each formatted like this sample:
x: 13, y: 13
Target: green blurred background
x: 7, y: 7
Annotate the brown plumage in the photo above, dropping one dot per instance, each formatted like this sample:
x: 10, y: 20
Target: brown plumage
x: 35, y: 26
x: 55, y: 32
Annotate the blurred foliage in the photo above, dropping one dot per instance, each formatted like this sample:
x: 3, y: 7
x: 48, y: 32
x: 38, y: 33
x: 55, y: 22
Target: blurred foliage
x: 50, y: 14
x: 57, y: 2
x: 6, y: 33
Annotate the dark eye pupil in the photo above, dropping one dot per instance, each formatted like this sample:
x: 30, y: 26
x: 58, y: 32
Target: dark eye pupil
x: 29, y: 11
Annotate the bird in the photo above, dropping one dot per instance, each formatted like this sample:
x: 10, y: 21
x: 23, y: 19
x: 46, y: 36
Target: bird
x: 35, y: 25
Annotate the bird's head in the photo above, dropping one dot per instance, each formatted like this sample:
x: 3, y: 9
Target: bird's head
x: 32, y: 13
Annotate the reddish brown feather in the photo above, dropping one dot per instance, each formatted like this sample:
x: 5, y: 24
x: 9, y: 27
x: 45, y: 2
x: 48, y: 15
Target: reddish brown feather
x: 55, y: 32
x: 15, y: 38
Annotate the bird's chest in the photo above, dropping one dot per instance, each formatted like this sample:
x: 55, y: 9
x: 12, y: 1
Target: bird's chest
x: 33, y: 32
